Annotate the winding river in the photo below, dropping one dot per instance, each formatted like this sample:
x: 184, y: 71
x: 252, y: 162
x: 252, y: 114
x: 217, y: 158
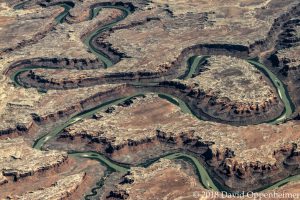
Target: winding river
x: 281, y: 89
x: 88, y: 40
x: 193, y: 64
x: 202, y: 173
x: 62, y: 16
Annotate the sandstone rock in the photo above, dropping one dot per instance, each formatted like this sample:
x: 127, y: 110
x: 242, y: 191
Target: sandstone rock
x: 19, y: 160
x: 122, y: 135
x: 164, y: 179
x: 59, y: 190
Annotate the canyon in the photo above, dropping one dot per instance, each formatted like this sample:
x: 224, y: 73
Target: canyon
x: 153, y: 99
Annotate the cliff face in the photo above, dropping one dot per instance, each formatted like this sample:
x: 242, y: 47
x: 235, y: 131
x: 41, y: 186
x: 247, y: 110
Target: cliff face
x: 59, y: 190
x: 45, y: 81
x: 211, y: 107
x: 26, y: 32
x: 231, y: 173
x: 264, y: 156
x: 285, y: 60
x: 236, y: 176
x: 149, y: 50
x: 277, y: 31
x: 28, y: 173
x: 34, y: 114
x: 290, y: 34
x: 287, y: 47
x: 162, y: 174
x: 172, y: 177
x: 167, y: 69
x: 231, y: 89
x: 18, y: 160
x: 233, y: 92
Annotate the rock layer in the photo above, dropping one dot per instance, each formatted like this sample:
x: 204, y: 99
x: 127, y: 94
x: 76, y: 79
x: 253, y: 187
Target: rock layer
x: 267, y: 152
x: 18, y: 160
x: 59, y: 190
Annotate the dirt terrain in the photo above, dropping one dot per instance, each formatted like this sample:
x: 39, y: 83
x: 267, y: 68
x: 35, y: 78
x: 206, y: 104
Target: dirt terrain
x: 98, y: 97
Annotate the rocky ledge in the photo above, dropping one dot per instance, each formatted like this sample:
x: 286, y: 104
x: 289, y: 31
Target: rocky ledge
x: 61, y: 189
x: 286, y: 63
x: 163, y: 180
x: 147, y: 127
x: 174, y: 180
x: 230, y: 90
x: 18, y: 159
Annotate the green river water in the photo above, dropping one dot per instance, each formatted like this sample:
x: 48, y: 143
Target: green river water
x: 193, y: 65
